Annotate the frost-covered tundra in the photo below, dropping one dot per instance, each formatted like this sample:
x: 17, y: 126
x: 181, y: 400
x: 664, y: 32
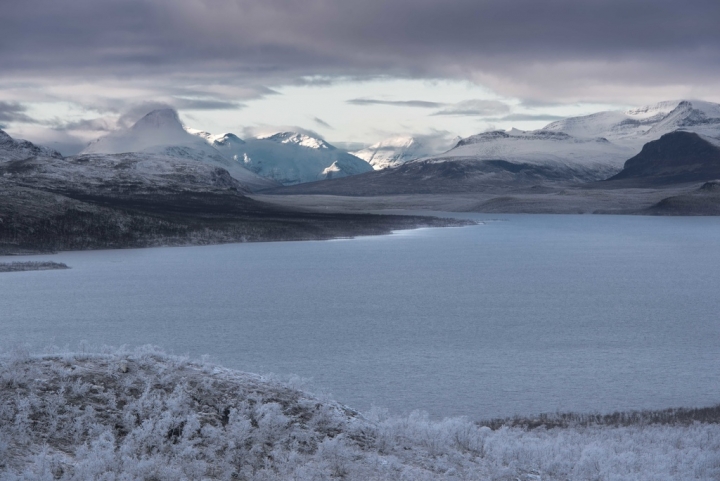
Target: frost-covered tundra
x: 126, y: 415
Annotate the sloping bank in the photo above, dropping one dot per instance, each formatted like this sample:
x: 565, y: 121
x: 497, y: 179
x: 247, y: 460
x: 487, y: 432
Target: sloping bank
x: 146, y: 415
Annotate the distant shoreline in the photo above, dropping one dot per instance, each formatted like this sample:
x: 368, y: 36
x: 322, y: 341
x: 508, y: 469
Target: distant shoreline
x: 31, y: 266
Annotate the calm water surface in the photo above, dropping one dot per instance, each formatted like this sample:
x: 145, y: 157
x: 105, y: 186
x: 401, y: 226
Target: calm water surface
x: 525, y: 315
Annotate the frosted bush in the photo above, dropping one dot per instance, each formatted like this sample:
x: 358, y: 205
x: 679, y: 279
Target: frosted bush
x: 143, y: 415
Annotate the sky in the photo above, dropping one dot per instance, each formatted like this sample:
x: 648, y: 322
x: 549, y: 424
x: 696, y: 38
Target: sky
x: 351, y: 71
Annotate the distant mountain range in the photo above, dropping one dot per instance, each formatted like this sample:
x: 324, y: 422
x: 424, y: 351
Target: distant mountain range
x: 590, y: 147
x: 578, y: 149
x: 159, y: 183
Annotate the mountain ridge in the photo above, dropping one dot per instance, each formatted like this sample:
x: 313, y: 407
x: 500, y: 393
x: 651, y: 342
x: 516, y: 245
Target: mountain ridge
x: 289, y: 157
x: 161, y: 132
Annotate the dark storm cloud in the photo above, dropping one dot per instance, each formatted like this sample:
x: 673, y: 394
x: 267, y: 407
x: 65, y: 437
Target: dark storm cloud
x: 523, y: 47
x: 14, y: 112
x: 397, y: 103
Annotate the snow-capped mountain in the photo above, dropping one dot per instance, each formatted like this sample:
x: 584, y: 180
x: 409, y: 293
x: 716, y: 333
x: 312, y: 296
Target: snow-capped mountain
x: 161, y: 132
x: 290, y: 157
x: 596, y: 144
x: 541, y: 147
x: 11, y: 149
x: 397, y: 150
x: 636, y: 127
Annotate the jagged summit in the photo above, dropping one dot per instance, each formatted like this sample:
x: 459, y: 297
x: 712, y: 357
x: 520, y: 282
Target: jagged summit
x: 227, y: 139
x: 297, y: 138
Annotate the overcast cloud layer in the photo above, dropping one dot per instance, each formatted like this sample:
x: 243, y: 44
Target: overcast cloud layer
x: 114, y: 59
x: 524, y: 48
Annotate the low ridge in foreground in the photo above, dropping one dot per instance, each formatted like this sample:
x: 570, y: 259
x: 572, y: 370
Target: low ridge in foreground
x: 145, y: 415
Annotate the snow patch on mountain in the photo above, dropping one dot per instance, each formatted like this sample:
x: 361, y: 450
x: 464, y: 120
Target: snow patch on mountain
x: 397, y: 150
x: 161, y: 132
x: 541, y: 148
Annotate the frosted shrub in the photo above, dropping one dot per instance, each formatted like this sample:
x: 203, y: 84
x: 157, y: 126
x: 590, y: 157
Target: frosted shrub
x: 143, y: 415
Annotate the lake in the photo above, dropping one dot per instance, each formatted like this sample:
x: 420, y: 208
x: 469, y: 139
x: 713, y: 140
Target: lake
x: 521, y: 315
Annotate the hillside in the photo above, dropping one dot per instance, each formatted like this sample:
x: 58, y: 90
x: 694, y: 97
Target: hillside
x: 96, y: 201
x: 145, y: 415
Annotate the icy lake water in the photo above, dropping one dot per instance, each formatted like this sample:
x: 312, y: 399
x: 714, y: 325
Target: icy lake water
x: 521, y: 315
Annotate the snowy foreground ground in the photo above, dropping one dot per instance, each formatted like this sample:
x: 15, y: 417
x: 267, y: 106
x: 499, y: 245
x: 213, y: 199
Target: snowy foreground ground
x: 126, y: 415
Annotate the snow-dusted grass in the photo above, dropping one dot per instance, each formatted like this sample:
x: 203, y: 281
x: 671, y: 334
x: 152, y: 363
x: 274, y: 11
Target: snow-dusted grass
x: 141, y: 414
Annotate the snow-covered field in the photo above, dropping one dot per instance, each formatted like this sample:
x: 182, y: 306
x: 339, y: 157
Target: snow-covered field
x: 142, y: 414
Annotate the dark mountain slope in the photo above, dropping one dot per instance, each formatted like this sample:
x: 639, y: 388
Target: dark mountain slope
x: 675, y: 158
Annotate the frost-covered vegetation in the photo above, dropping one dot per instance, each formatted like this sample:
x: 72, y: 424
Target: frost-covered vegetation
x: 141, y: 414
x: 31, y: 266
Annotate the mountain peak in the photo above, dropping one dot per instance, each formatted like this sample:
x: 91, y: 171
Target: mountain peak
x: 159, y: 119
x: 228, y: 139
x: 297, y: 138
